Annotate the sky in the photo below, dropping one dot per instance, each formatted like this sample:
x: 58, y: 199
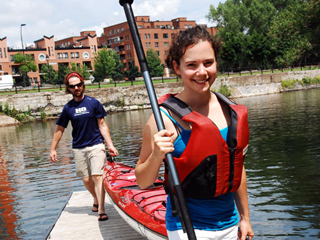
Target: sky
x: 65, y: 18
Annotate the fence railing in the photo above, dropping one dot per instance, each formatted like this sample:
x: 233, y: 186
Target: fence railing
x: 174, y: 78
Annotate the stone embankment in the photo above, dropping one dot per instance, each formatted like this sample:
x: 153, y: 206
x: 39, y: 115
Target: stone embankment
x: 136, y: 97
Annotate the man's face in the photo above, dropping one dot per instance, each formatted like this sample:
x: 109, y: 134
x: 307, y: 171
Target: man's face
x: 76, y: 87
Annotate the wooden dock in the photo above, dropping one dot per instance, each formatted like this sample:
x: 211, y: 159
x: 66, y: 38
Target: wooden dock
x: 77, y: 221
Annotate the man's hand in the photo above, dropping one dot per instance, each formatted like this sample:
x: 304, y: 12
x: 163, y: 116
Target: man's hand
x: 53, y: 155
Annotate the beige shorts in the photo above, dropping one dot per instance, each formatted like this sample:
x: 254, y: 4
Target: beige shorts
x: 89, y: 160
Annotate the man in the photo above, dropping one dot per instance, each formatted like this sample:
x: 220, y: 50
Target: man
x: 89, y: 132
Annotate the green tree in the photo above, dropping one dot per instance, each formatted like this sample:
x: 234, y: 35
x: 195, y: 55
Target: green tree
x: 104, y: 64
x: 296, y: 32
x: 241, y: 24
x: 156, y: 69
x: 62, y: 71
x: 81, y: 68
x: 49, y: 75
x: 118, y: 73
x: 132, y: 72
x: 27, y: 64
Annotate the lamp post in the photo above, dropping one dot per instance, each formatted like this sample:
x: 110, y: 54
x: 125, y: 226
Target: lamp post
x: 47, y: 57
x: 21, y: 36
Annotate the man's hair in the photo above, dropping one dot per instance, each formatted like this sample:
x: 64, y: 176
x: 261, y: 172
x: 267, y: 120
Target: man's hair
x: 70, y: 75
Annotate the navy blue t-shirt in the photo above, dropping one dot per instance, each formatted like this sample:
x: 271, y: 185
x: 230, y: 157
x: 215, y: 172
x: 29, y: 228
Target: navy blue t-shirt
x: 83, y: 116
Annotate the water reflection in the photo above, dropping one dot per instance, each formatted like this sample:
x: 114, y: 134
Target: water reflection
x: 282, y: 167
x: 283, y: 164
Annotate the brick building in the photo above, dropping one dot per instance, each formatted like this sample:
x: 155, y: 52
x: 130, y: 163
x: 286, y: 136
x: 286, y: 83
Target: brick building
x: 46, y: 51
x: 153, y: 34
x: 81, y: 49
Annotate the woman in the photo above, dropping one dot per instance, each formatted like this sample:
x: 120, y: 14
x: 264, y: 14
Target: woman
x: 208, y: 137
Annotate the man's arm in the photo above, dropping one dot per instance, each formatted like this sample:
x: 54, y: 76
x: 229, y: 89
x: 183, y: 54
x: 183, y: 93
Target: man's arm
x: 55, y: 141
x: 104, y: 130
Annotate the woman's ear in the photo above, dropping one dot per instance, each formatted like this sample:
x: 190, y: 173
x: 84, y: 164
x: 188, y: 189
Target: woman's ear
x: 176, y: 67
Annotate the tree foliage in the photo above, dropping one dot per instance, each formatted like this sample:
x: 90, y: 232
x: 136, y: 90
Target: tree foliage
x: 49, y: 75
x: 104, y: 64
x: 261, y: 32
x: 27, y: 64
x: 81, y: 68
x: 118, y: 73
x: 132, y: 72
x: 156, y: 69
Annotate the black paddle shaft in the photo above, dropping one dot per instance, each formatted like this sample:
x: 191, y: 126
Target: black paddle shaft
x: 158, y: 118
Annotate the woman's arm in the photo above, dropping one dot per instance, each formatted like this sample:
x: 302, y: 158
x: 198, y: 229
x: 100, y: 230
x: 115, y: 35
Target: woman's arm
x: 241, y: 199
x: 155, y: 145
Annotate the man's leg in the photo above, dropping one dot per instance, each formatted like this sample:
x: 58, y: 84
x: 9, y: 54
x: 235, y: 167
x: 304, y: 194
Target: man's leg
x: 100, y: 193
x: 83, y: 171
x: 90, y: 186
x: 97, y: 158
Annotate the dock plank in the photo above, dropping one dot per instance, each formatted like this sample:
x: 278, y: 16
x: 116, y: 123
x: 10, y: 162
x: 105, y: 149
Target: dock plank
x: 77, y: 221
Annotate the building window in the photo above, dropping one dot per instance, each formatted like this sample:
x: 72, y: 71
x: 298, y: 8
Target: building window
x: 127, y: 38
x: 52, y: 53
x: 156, y: 44
x: 149, y: 44
x: 148, y: 35
x: 168, y: 26
x: 145, y: 36
x: 190, y: 26
x: 59, y: 55
x: 72, y: 55
x: 0, y: 52
x: 5, y: 52
x: 118, y: 30
x: 146, y: 45
x: 113, y: 32
x: 158, y: 53
x: 140, y: 26
x: 77, y: 54
x: 35, y: 80
x: 156, y: 36
x: 185, y: 26
x: 166, y: 44
x: 65, y: 55
x: 122, y: 29
x: 128, y: 47
x: 157, y: 26
x: 165, y: 35
x: 109, y: 32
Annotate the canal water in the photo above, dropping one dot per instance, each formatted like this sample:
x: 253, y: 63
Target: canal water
x: 282, y: 165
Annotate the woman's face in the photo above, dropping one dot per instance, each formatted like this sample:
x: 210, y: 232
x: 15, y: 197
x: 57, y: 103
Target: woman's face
x: 198, y: 67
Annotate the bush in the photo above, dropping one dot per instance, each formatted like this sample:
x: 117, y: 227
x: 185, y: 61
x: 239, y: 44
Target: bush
x: 288, y: 83
x: 225, y: 90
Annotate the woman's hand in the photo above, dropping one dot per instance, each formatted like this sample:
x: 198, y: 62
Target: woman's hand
x: 163, y: 144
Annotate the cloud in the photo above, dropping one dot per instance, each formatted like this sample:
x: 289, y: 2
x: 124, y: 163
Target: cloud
x: 66, y: 18
x: 157, y: 10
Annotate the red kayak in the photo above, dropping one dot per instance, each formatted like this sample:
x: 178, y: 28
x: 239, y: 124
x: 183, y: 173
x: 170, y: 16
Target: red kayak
x: 144, y: 210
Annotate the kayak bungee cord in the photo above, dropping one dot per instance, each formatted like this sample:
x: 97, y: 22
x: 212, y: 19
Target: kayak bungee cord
x: 126, y: 4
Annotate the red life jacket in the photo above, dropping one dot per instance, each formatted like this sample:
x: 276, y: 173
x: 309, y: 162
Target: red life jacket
x: 209, y: 166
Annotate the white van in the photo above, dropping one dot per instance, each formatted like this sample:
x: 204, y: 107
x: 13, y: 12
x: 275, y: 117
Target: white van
x: 6, y: 82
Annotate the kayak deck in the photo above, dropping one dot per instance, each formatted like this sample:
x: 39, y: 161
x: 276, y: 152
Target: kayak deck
x: 143, y: 209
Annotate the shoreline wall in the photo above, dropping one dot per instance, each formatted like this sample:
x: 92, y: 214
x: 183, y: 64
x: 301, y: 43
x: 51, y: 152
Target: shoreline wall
x: 135, y: 97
